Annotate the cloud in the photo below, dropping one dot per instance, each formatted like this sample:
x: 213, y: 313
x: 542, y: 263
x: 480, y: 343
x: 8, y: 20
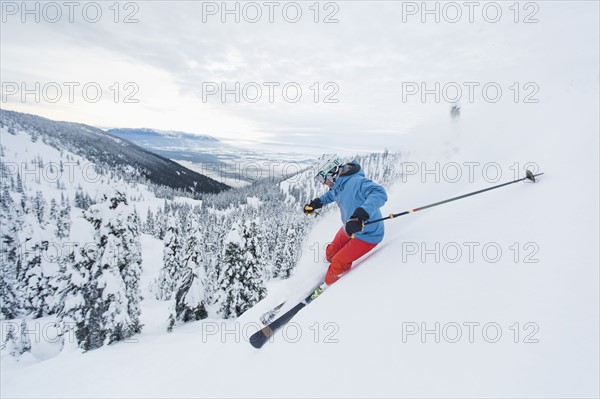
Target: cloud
x: 177, y: 50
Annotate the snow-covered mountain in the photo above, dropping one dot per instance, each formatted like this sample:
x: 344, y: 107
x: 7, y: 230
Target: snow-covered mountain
x: 108, y: 152
x: 170, y: 138
x: 172, y: 144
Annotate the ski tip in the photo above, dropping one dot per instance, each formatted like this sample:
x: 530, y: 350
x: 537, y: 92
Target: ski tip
x: 257, y: 341
x: 259, y: 338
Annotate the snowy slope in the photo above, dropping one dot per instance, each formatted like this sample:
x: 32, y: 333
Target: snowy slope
x: 78, y: 174
x: 364, y: 345
x: 109, y: 152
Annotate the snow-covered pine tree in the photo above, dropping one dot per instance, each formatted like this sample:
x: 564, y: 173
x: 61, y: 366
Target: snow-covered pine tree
x: 130, y: 266
x: 149, y: 224
x: 190, y: 295
x: 38, y: 271
x: 38, y: 288
x: 82, y: 307
x: 53, y: 212
x: 63, y: 221
x: 213, y: 242
x: 241, y: 277
x: 19, y: 184
x: 269, y: 242
x: 285, y: 254
x: 160, y: 225
x: 232, y: 272
x: 119, y: 257
x: 38, y: 206
x: 83, y: 199
x: 16, y: 341
x: 172, y: 259
x: 10, y: 260
x: 9, y: 297
x: 78, y: 200
x: 256, y: 262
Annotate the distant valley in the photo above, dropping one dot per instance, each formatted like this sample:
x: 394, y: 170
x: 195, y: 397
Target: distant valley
x: 229, y: 164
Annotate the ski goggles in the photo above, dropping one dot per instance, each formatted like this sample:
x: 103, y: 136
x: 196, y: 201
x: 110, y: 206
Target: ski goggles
x: 322, y: 175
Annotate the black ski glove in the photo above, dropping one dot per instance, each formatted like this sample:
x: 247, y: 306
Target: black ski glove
x: 355, y: 223
x: 312, y: 206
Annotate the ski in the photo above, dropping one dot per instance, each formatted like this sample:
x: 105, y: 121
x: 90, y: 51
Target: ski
x: 259, y: 338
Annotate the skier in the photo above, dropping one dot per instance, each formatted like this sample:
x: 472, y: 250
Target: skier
x: 359, y: 200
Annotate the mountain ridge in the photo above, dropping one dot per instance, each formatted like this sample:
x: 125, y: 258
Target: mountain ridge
x: 111, y: 152
x: 121, y: 132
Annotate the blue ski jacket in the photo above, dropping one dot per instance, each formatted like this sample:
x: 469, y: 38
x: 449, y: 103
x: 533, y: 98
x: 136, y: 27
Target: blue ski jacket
x: 353, y: 190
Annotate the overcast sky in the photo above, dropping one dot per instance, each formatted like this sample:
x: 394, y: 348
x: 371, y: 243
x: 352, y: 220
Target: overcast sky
x: 171, y: 56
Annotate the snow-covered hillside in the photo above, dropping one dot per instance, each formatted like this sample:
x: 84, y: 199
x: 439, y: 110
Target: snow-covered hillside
x: 493, y: 295
x: 109, y: 153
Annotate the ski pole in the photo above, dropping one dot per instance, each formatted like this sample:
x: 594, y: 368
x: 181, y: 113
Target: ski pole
x: 528, y: 176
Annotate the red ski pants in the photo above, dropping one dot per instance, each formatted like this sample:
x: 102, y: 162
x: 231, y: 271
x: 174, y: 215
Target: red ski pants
x: 342, y: 251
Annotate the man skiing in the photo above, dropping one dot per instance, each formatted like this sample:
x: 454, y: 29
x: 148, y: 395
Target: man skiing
x: 359, y: 200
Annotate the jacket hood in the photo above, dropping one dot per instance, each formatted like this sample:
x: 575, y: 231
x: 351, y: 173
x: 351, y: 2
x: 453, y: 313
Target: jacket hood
x: 349, y: 169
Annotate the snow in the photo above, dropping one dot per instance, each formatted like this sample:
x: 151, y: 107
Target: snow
x: 375, y: 332
x: 234, y: 237
x: 152, y: 259
x: 253, y: 201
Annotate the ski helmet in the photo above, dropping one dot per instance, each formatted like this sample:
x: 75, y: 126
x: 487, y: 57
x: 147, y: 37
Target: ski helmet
x: 328, y: 168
